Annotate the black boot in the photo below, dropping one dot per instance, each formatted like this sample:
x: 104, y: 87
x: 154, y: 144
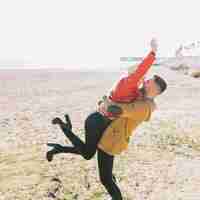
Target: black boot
x: 57, y: 120
x: 50, y: 154
x: 68, y: 121
x: 67, y: 125
x: 57, y: 148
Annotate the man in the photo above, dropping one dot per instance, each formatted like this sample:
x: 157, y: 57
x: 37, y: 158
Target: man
x: 116, y: 137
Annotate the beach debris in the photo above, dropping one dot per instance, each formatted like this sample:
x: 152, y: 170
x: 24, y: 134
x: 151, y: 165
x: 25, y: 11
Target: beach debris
x: 56, y: 185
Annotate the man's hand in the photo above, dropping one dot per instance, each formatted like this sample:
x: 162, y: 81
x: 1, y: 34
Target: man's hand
x: 154, y: 45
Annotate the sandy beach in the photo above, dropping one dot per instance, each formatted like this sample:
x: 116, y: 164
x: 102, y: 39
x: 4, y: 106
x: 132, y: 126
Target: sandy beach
x: 162, y: 162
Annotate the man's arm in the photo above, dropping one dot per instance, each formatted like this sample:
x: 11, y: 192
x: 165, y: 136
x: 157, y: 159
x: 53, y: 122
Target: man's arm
x: 139, y: 109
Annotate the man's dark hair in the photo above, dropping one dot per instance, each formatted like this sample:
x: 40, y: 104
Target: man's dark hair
x: 161, y: 83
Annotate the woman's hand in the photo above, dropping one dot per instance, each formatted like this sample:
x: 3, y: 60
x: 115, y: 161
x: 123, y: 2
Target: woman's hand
x: 154, y: 45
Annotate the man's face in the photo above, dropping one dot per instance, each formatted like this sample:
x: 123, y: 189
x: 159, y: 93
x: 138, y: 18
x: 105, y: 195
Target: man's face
x: 151, y: 88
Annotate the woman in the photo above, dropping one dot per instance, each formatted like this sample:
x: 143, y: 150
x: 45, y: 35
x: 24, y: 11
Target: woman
x: 95, y: 125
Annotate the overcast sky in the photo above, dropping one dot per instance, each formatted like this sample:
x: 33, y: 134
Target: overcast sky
x: 91, y: 32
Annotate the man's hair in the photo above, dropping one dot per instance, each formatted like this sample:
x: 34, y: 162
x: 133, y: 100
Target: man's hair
x: 161, y: 83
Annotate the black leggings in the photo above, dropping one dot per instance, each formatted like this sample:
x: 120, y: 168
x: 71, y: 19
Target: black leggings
x: 95, y: 125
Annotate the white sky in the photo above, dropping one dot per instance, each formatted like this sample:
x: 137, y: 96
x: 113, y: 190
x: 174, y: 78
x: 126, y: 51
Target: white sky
x: 91, y: 32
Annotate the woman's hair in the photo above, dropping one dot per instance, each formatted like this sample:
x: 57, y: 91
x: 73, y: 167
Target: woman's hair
x: 161, y: 83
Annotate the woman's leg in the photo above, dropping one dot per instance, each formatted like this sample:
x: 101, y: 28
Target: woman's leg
x: 105, y: 163
x: 57, y: 148
x: 95, y: 125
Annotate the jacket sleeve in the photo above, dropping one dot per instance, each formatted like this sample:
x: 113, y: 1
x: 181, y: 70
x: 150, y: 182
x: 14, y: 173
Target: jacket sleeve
x: 127, y: 84
x: 142, y: 69
x: 138, y: 110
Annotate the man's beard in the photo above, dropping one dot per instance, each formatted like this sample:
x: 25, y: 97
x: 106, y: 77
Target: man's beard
x: 144, y: 93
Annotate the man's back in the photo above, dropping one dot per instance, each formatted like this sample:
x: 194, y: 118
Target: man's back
x: 116, y: 137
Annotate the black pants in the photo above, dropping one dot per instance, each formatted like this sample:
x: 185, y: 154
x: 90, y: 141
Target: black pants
x: 95, y: 125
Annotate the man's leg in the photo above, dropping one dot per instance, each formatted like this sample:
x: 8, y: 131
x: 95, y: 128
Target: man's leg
x: 105, y: 163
